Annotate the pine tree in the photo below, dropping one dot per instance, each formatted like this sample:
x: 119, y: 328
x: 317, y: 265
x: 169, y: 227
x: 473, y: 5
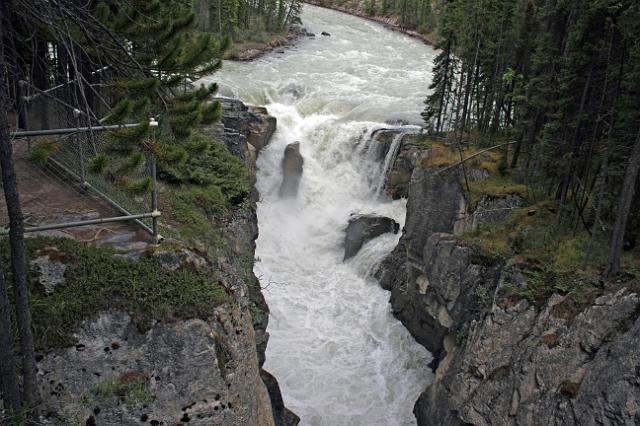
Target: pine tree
x: 444, y: 70
x: 169, y: 60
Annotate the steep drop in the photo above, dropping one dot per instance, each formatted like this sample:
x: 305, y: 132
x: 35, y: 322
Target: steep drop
x: 340, y: 356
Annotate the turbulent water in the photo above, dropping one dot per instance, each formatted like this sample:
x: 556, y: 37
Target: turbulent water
x: 340, y: 356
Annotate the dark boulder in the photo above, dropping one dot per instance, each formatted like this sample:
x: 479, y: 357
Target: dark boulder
x: 326, y: 34
x: 291, y: 170
x: 363, y: 228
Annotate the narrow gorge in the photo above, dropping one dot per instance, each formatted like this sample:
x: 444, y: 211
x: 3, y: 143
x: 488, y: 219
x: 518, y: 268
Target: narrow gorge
x: 348, y: 104
x: 338, y: 353
x: 244, y: 213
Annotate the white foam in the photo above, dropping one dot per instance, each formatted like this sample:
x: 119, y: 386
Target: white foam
x: 338, y: 353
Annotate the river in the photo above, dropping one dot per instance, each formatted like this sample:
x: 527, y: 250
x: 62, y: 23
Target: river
x: 340, y: 356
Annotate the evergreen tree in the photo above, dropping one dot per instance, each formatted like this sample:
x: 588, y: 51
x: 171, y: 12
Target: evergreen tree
x: 169, y: 60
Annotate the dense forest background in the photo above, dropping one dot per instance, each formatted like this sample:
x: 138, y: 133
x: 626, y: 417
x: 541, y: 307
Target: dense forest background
x: 415, y: 15
x: 560, y: 81
x: 248, y: 21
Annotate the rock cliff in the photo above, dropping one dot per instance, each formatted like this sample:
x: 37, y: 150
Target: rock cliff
x: 501, y: 359
x: 204, y: 370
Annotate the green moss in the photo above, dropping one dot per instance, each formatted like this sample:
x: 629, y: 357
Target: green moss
x: 552, y: 257
x: 96, y: 281
x: 495, y: 185
x: 105, y: 389
x: 132, y: 391
x: 137, y: 394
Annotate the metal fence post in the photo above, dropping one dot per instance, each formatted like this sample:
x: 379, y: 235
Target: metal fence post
x: 24, y: 110
x: 154, y: 188
x: 83, y: 180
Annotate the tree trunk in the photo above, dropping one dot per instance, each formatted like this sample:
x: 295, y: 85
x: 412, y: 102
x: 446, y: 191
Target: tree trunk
x: 16, y: 240
x: 624, y: 207
x: 10, y: 390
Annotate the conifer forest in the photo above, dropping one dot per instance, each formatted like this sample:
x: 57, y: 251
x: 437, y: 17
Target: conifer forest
x: 319, y: 213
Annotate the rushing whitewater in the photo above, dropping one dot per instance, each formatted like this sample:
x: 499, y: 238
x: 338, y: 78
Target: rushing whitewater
x: 339, y: 354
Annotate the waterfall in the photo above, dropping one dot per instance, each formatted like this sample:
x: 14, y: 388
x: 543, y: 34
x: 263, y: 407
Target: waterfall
x: 388, y: 161
x: 339, y: 354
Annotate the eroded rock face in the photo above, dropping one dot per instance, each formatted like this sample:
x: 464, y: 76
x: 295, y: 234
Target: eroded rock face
x: 448, y: 290
x: 500, y: 360
x: 206, y: 371
x: 362, y: 228
x: 292, y: 164
x: 524, y: 366
x: 435, y: 204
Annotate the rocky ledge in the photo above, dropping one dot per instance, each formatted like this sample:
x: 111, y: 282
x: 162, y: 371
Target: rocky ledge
x: 278, y: 42
x: 500, y: 359
x: 202, y: 371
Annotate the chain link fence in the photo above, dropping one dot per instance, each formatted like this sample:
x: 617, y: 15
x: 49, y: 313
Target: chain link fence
x: 61, y: 143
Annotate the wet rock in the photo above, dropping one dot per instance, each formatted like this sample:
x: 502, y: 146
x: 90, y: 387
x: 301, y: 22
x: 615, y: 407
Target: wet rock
x: 398, y: 175
x: 292, y: 164
x: 362, y: 228
x: 326, y: 34
x: 292, y: 90
x: 281, y: 415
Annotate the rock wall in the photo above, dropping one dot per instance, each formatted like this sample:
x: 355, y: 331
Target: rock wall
x: 500, y: 360
x: 201, y: 372
x: 523, y: 365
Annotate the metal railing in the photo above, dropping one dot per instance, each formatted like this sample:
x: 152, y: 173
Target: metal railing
x: 74, y: 149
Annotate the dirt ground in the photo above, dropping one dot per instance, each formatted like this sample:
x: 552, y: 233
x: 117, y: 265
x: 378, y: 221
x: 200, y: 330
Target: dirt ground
x: 46, y: 198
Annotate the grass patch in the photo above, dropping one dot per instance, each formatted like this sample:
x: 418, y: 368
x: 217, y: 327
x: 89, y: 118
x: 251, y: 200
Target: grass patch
x: 498, y: 182
x: 542, y: 283
x: 96, y: 281
x: 443, y: 155
x: 495, y: 185
x: 250, y: 40
x: 531, y: 235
